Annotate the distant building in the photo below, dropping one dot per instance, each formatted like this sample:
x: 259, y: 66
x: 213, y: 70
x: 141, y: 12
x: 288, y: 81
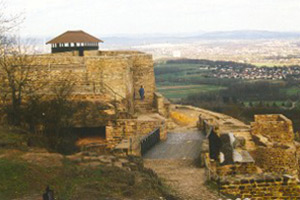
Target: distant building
x: 176, y: 54
x: 74, y: 41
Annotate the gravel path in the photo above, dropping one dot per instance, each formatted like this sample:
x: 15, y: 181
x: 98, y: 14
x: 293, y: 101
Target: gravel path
x: 178, y: 146
x: 173, y: 161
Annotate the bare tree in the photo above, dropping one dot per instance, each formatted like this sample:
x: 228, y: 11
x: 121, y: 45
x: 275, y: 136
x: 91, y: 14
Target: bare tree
x: 15, y: 67
x: 8, y: 22
x: 14, y: 64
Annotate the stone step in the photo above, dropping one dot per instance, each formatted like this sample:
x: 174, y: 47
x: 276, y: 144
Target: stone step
x: 143, y: 111
x: 142, y: 103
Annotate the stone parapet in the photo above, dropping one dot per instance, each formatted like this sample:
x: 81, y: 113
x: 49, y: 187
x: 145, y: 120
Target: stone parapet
x: 276, y: 160
x: 276, y: 128
x: 162, y: 105
x: 262, y: 186
x: 134, y: 130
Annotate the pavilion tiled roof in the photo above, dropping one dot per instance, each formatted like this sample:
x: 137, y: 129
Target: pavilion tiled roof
x: 74, y: 36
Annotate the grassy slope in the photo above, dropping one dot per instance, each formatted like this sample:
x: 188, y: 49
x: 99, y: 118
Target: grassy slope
x: 19, y: 178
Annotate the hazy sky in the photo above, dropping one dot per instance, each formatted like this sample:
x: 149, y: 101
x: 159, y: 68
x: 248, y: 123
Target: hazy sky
x: 111, y: 17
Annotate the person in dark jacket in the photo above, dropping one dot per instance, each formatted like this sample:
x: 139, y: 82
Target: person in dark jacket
x: 142, y: 92
x: 48, y: 195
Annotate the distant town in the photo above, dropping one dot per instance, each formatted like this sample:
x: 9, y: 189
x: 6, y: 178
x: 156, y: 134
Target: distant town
x: 264, y: 52
x: 252, y: 72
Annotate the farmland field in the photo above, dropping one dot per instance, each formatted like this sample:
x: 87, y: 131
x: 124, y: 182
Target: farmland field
x: 178, y: 81
x: 178, y: 92
x: 194, y: 84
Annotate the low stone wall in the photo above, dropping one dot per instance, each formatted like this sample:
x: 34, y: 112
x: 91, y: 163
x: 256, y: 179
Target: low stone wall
x: 117, y: 53
x: 134, y: 127
x: 162, y: 105
x: 273, y: 175
x: 134, y: 130
x: 262, y: 186
x: 276, y: 151
x: 275, y: 127
x: 276, y: 160
x: 237, y: 169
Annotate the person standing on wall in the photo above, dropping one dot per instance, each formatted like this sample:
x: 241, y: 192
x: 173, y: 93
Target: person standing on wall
x: 142, y: 92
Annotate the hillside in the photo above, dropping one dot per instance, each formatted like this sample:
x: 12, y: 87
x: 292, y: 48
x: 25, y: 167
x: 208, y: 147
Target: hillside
x: 25, y: 172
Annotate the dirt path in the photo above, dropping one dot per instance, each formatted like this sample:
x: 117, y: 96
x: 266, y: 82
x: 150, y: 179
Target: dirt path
x: 183, y: 177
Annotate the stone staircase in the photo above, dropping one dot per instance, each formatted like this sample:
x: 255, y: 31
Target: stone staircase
x: 142, y: 107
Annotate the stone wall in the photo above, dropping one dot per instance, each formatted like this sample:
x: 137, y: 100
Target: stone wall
x: 117, y: 53
x: 276, y: 151
x: 134, y: 130
x: 277, y: 160
x: 105, y: 86
x: 263, y: 186
x: 277, y: 128
x: 143, y: 75
x: 105, y: 76
x: 114, y: 72
x: 275, y: 172
x: 162, y: 105
x: 237, y: 169
x: 125, y: 128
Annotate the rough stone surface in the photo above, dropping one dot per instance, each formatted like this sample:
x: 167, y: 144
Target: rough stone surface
x: 270, y: 141
x: 276, y: 128
x: 276, y: 151
x: 105, y: 88
x: 92, y: 160
x: 44, y: 159
x: 264, y: 186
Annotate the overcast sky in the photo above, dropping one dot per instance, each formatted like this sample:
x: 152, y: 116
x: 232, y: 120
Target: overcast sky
x: 112, y: 17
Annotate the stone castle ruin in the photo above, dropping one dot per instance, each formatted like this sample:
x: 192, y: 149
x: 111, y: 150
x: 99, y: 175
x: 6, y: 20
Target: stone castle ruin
x: 257, y: 161
x: 260, y: 161
x: 108, y: 83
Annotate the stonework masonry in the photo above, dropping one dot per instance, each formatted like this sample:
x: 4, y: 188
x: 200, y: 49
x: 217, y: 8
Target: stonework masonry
x: 269, y: 140
x: 278, y: 151
x: 261, y: 187
x: 106, y: 85
x: 277, y: 128
x: 134, y: 130
x: 122, y: 72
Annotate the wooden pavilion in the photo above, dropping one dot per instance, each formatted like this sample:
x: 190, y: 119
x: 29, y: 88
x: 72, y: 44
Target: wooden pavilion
x: 74, y: 41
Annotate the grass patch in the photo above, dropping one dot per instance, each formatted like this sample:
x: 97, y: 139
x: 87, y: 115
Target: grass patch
x: 291, y: 91
x: 266, y: 64
x: 19, y: 179
x: 12, y: 137
x: 13, y: 181
x: 183, y: 91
